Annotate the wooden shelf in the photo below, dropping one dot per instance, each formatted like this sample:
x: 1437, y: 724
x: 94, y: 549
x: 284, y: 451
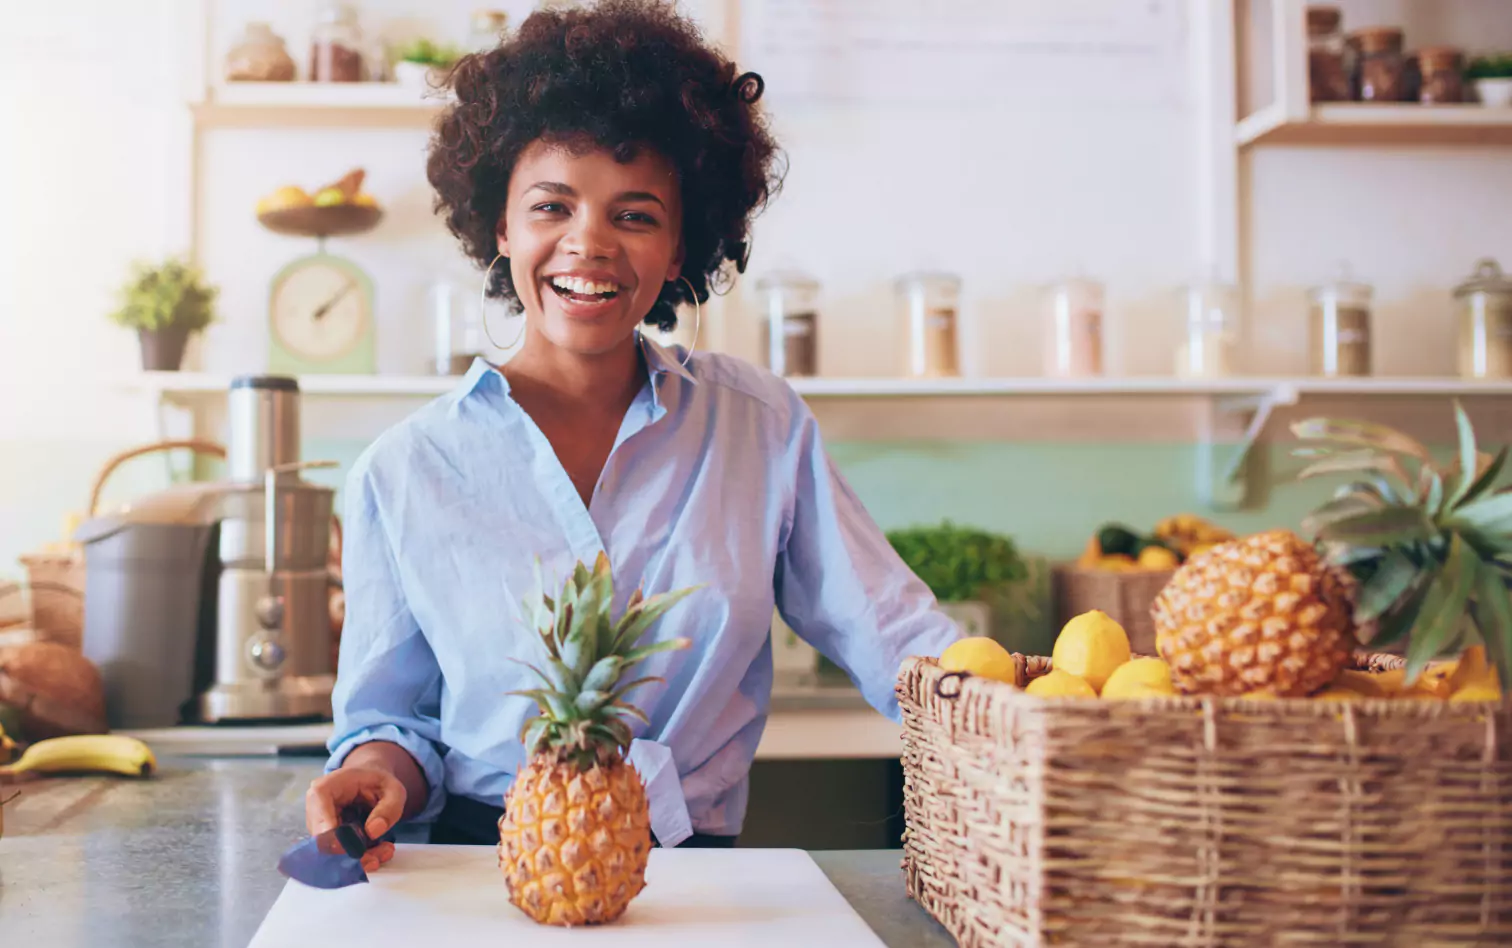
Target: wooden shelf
x: 200, y: 384
x: 1364, y: 123
x: 321, y: 104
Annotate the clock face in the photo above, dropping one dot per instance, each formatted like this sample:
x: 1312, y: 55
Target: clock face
x: 320, y: 310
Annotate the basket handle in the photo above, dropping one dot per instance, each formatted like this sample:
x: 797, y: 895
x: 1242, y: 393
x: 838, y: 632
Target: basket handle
x: 939, y: 688
x: 200, y: 446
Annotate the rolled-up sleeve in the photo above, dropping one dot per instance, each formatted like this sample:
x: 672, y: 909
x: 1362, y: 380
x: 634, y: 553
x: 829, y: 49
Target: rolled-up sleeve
x: 841, y: 586
x: 388, y: 684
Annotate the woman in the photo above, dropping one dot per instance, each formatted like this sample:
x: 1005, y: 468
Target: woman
x: 603, y: 165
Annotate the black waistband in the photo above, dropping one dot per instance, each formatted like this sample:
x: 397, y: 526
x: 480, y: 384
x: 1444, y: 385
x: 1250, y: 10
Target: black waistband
x: 465, y: 821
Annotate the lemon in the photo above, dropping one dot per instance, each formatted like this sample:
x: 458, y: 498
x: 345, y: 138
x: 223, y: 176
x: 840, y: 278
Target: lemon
x: 980, y: 656
x: 1141, y: 674
x: 1362, y: 684
x: 1157, y: 557
x: 1060, y: 684
x: 1136, y: 690
x: 330, y: 197
x: 1091, y: 646
x: 364, y: 199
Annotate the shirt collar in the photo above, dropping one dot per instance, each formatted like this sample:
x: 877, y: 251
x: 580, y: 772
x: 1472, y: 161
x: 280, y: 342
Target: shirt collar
x: 660, y: 362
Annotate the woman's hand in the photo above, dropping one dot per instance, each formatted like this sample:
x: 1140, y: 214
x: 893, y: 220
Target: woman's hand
x: 360, y: 788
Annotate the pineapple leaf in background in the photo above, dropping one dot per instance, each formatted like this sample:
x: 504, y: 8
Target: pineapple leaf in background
x: 1388, y: 526
x: 1355, y: 461
x: 1364, y: 434
x: 1487, y: 476
x: 1443, y: 609
x: 1341, y: 508
x: 958, y: 563
x: 1493, y: 616
x: 1397, y: 624
x: 1468, y: 456
x: 1392, y: 577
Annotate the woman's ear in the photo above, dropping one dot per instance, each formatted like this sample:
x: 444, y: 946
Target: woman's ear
x: 674, y: 269
x: 503, y: 241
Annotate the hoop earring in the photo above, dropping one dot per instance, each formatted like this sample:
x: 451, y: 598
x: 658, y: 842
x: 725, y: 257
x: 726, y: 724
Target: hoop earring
x: 697, y: 320
x: 483, y: 308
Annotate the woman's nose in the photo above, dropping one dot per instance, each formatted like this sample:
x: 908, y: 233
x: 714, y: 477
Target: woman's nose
x: 590, y: 237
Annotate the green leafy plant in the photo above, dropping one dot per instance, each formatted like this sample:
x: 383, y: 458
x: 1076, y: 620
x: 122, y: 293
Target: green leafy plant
x: 959, y: 563
x: 1494, y: 66
x: 428, y: 53
x: 1431, y: 542
x: 163, y: 295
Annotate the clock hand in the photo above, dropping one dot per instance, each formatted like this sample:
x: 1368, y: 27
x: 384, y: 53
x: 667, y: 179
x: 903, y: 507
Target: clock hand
x: 326, y: 306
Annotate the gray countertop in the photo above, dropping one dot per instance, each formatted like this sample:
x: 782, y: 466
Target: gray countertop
x: 187, y: 858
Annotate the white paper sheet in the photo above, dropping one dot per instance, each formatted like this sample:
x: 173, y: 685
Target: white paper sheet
x: 455, y: 895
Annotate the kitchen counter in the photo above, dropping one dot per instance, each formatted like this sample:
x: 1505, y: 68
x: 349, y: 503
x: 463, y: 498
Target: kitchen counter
x: 812, y: 717
x: 187, y: 858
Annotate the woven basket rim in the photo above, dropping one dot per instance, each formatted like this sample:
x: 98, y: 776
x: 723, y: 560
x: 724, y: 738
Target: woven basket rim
x: 933, y: 675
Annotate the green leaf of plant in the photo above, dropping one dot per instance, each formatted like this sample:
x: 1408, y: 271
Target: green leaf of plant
x: 1494, y: 618
x: 587, y: 701
x: 1443, y: 609
x: 1490, y: 515
x: 1351, y: 462
x: 1390, y: 526
x: 622, y: 690
x: 1340, y: 508
x: 614, y: 732
x: 620, y: 707
x: 1391, y: 581
x: 534, y: 670
x: 1489, y: 471
x: 1430, y: 490
x: 634, y: 625
x: 1396, y: 623
x: 1467, y: 454
x: 602, y: 674
x: 1364, y: 434
x: 645, y: 651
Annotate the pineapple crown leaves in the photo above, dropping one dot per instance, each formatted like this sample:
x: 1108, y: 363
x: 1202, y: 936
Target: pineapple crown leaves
x: 1431, y: 543
x: 582, y: 699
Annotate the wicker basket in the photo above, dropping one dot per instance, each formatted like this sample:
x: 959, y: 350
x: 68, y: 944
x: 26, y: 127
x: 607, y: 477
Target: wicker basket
x: 1193, y: 821
x: 1125, y: 597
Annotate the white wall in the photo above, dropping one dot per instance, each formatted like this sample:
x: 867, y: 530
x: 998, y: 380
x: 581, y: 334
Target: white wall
x: 1011, y: 197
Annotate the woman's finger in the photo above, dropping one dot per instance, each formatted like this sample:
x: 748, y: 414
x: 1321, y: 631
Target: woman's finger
x: 370, y: 863
x: 320, y: 809
x: 387, y: 810
x: 384, y: 852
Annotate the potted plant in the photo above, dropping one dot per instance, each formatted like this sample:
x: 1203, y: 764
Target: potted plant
x: 1492, y: 77
x: 966, y: 568
x: 423, y: 63
x: 164, y: 303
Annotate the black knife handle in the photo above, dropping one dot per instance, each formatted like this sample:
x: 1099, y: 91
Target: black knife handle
x: 353, y: 839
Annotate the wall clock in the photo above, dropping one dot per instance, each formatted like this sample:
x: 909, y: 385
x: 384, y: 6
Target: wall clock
x: 320, y: 318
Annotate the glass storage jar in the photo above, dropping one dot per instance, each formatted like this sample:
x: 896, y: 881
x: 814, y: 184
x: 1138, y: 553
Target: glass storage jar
x: 457, y: 335
x: 1382, y: 68
x: 789, y: 323
x: 1327, y: 75
x: 1074, y: 335
x: 1442, y: 75
x: 930, y: 304
x: 336, y: 45
x: 259, y: 56
x: 1484, y: 306
x: 1340, y: 321
x: 1210, y: 331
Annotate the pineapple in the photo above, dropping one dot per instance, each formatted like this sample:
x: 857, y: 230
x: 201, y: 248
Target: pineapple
x: 1431, y: 543
x: 1263, y: 613
x: 576, y: 831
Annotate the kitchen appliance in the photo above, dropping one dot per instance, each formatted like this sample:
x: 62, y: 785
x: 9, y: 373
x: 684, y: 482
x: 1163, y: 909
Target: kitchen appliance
x: 209, y: 602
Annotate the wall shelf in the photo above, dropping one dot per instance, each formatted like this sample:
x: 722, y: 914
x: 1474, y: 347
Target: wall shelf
x: 321, y: 104
x: 1362, y: 123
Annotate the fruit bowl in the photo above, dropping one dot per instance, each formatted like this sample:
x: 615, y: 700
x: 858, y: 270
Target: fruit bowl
x: 314, y: 221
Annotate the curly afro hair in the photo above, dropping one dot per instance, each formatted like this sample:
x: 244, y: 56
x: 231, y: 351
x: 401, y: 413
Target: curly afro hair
x: 621, y: 75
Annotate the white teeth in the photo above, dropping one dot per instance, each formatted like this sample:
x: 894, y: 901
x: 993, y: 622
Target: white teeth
x: 577, y: 285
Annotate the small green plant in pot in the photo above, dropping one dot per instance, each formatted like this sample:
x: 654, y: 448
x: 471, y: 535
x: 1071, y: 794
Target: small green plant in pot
x: 424, y: 62
x: 165, y: 302
x: 1492, y: 78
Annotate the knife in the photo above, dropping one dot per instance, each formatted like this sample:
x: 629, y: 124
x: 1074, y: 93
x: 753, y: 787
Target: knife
x: 332, y: 859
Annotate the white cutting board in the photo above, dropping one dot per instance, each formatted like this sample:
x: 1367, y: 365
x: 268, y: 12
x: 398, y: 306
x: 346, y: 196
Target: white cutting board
x: 454, y: 895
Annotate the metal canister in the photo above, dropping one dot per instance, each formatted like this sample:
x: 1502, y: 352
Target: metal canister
x: 1484, y: 304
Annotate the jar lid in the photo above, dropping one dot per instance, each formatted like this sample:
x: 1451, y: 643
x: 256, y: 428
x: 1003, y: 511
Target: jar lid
x: 1379, y: 39
x: 1439, y: 57
x: 1322, y: 20
x: 1487, y: 278
x: 1344, y: 291
x: 928, y: 277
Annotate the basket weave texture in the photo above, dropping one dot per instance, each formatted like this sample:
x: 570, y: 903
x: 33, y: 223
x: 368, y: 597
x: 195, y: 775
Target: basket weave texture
x: 1125, y: 597
x: 1204, y: 822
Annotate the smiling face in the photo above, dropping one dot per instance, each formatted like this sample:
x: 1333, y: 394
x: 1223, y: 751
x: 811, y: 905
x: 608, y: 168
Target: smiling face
x: 590, y: 243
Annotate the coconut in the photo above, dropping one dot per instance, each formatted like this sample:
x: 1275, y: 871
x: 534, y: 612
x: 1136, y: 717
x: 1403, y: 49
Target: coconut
x: 54, y: 688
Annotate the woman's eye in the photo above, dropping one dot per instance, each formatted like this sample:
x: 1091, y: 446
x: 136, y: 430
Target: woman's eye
x: 638, y: 217
x: 549, y: 207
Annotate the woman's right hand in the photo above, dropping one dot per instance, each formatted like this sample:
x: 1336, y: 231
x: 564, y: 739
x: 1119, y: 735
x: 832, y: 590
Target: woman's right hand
x: 371, y: 789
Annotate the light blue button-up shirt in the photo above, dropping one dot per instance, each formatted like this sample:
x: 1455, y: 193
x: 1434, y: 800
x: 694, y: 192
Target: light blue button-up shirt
x: 718, y: 478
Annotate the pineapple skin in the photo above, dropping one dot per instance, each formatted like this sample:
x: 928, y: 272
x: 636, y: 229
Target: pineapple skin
x: 1264, y: 613
x: 574, y: 841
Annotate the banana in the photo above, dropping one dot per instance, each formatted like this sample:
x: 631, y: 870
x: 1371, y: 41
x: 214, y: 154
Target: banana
x: 86, y: 753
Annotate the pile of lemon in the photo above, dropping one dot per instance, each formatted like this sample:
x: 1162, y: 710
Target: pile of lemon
x: 1092, y: 659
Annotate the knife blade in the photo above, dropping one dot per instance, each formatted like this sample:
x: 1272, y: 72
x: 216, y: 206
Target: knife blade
x: 329, y: 860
